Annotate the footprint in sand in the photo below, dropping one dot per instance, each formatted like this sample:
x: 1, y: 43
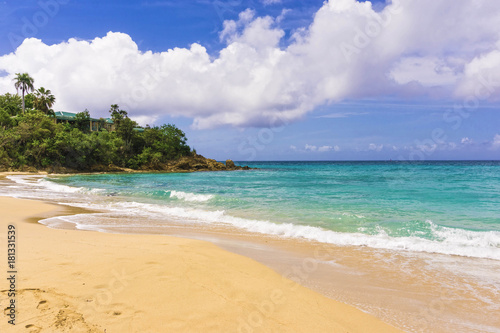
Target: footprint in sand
x: 69, y: 319
x: 33, y: 328
x: 6, y: 311
x: 43, y: 305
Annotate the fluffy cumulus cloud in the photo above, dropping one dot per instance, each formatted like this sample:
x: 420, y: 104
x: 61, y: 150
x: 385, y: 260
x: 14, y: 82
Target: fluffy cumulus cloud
x: 410, y: 48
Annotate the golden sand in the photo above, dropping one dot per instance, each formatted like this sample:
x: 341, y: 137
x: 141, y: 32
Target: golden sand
x: 77, y: 281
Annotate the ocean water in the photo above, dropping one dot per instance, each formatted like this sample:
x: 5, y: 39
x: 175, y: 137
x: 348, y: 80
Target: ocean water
x: 450, y: 208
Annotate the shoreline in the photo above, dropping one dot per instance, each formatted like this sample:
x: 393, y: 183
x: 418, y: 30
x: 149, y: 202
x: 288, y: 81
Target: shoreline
x: 403, y: 296
x: 71, y: 279
x: 412, y: 291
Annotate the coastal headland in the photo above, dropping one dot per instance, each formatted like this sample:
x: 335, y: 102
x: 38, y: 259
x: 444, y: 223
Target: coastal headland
x: 192, y: 163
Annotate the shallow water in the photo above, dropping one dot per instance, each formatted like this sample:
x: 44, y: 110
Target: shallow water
x: 433, y: 225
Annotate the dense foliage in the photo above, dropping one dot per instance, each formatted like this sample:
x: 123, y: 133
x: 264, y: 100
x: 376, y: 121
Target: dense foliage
x: 33, y: 139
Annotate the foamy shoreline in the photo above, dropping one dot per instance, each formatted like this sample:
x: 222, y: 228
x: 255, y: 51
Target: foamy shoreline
x: 387, y: 284
x: 451, y: 241
x: 89, y: 281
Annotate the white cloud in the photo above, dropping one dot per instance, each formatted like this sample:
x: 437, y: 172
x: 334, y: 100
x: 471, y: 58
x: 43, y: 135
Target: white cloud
x: 375, y: 147
x: 496, y: 142
x: 481, y: 77
x: 144, y: 120
x: 321, y: 149
x: 466, y: 141
x: 270, y: 2
x: 311, y: 148
x: 283, y: 14
x: 427, y: 148
x: 349, y: 51
x: 429, y: 72
x: 325, y: 149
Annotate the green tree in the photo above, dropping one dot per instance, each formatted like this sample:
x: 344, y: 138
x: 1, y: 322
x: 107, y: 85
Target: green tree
x: 34, y: 140
x: 44, y: 100
x: 117, y: 115
x: 5, y: 120
x: 169, y: 140
x: 31, y: 139
x: 125, y: 130
x: 29, y: 101
x: 24, y: 82
x: 11, y: 103
x: 124, y: 127
x: 82, y: 121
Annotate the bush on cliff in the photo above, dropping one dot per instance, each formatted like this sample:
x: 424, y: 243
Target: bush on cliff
x: 34, y: 140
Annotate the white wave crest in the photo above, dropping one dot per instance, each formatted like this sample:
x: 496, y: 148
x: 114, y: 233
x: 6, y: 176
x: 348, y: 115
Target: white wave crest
x: 193, y: 197
x: 26, y: 179
x: 451, y: 241
x: 42, y: 182
x: 466, y: 238
x: 59, y: 188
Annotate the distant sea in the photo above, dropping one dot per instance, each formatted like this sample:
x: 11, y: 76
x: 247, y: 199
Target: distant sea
x: 450, y: 208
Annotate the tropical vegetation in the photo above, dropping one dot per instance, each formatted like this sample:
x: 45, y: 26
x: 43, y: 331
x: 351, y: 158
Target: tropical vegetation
x: 44, y: 100
x: 23, y: 82
x: 30, y: 137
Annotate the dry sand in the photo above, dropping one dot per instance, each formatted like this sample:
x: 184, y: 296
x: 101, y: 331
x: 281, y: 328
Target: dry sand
x: 77, y: 281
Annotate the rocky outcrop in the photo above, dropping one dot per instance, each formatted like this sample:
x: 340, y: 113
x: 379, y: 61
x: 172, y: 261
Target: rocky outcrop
x: 184, y: 164
x: 230, y: 165
x: 200, y: 163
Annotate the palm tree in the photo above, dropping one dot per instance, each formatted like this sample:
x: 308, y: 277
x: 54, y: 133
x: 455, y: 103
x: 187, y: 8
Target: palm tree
x: 44, y: 100
x: 25, y: 83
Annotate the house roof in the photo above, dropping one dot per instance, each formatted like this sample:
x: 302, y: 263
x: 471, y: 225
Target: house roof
x: 63, y: 115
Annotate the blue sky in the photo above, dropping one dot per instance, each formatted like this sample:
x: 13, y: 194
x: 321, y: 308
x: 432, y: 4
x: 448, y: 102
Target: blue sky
x: 155, y: 25
x: 274, y: 80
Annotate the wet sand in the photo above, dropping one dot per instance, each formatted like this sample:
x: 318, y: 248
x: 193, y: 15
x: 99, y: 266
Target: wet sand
x: 415, y: 292
x: 78, y: 281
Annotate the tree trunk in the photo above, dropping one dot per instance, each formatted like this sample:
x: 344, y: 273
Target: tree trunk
x: 23, y: 99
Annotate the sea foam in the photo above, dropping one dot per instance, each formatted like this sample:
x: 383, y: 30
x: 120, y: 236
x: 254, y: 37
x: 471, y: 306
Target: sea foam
x: 42, y: 182
x: 193, y: 197
x: 445, y: 240
x: 448, y: 241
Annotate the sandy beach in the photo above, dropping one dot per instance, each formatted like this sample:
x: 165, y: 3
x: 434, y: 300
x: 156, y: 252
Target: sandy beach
x: 250, y: 166
x: 77, y: 281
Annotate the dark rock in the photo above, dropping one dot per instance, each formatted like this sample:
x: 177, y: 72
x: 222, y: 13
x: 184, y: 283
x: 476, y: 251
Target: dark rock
x: 200, y: 163
x: 230, y: 165
x: 184, y: 164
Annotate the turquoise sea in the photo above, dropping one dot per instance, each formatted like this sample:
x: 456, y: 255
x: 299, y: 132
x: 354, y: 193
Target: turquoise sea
x: 451, y: 208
